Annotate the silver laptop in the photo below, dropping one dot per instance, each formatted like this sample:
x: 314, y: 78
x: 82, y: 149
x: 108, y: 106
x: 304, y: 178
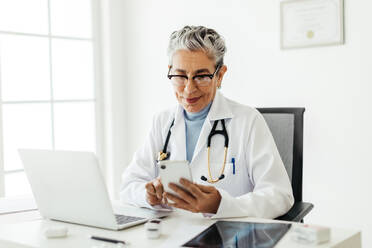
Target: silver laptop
x: 68, y: 186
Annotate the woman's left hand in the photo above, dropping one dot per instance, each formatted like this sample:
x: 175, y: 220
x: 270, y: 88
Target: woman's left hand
x: 196, y: 198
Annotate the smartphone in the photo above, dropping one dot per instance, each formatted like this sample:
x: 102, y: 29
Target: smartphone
x: 171, y: 171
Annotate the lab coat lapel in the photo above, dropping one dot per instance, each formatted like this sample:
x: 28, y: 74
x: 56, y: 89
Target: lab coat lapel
x: 179, y: 136
x: 220, y: 109
x: 202, y: 140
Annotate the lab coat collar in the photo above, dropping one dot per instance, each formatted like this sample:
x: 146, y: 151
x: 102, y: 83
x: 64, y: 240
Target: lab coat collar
x: 220, y: 108
x: 179, y: 134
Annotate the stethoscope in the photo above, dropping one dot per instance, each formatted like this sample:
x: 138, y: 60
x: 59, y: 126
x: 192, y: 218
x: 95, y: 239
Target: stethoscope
x: 163, y: 155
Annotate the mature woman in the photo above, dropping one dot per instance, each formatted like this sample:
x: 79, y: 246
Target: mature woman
x: 254, y: 182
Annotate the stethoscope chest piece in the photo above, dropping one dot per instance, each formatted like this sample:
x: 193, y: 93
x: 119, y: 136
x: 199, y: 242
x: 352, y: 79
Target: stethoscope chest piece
x: 163, y: 155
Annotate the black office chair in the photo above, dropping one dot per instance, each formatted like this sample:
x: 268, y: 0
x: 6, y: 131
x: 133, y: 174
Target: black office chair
x: 286, y: 126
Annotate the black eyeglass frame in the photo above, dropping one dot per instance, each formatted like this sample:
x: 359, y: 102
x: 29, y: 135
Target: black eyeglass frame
x: 199, y: 75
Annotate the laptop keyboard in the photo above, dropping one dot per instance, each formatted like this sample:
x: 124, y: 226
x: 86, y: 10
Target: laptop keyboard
x: 124, y: 219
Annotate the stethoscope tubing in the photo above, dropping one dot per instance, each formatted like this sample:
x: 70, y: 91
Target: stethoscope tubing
x: 163, y: 155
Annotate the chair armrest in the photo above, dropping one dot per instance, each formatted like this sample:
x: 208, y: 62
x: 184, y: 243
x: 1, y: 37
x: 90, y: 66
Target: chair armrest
x: 298, y: 211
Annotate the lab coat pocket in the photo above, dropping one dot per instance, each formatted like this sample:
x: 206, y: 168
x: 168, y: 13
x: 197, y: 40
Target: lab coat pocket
x: 229, y: 170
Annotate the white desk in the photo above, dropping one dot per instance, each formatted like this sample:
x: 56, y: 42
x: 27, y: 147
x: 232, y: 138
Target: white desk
x: 178, y: 228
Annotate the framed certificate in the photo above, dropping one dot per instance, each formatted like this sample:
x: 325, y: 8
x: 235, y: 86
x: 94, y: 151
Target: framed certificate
x: 307, y: 23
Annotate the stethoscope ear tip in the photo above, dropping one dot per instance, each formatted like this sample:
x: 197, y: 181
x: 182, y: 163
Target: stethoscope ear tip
x: 222, y: 177
x: 203, y: 178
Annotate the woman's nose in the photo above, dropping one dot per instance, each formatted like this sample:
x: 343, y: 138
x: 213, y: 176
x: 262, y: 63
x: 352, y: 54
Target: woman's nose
x: 190, y: 86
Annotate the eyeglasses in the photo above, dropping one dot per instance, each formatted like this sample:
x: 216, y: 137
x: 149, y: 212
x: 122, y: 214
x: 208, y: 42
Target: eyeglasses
x: 200, y: 79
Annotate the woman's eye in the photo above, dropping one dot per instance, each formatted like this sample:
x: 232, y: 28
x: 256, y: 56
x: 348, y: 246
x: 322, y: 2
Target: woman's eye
x: 178, y: 77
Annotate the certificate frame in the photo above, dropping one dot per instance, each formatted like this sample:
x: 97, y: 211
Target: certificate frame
x: 304, y: 23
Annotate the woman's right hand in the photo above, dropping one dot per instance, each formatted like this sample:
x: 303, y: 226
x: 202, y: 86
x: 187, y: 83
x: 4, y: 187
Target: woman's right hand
x: 154, y: 192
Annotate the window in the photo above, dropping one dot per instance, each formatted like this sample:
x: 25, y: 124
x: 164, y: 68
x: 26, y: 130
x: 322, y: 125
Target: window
x: 47, y: 81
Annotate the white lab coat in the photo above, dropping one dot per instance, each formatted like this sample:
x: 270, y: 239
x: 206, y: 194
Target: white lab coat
x: 260, y: 186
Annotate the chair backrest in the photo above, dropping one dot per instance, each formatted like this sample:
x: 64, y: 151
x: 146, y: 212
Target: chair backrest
x: 286, y: 126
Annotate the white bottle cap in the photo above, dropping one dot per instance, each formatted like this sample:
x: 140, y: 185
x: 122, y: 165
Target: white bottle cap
x: 153, y: 228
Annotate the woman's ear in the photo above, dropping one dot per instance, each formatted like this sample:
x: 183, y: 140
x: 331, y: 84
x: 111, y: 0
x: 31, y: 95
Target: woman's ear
x: 221, y: 73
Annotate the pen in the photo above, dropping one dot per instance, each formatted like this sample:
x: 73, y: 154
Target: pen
x: 108, y: 240
x: 233, y: 163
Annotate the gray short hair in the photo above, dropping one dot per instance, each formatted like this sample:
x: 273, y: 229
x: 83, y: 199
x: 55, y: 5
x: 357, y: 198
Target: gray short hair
x: 196, y: 38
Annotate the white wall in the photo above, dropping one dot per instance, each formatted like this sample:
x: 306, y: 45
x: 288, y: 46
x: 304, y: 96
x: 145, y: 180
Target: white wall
x: 333, y: 83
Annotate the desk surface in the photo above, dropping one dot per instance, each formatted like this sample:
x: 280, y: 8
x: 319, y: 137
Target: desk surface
x: 23, y: 230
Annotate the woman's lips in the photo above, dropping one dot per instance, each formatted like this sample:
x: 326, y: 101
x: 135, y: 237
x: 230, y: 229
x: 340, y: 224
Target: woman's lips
x: 192, y: 100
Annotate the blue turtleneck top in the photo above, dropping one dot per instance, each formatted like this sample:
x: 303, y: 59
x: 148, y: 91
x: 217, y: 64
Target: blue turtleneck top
x: 193, y: 125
